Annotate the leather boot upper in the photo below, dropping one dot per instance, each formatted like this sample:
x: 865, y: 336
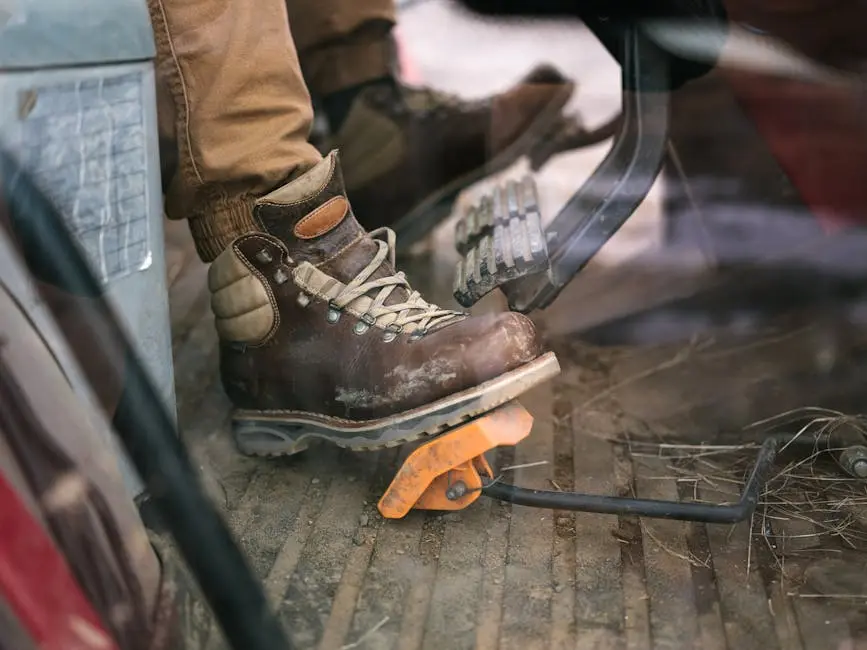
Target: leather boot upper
x: 313, y: 316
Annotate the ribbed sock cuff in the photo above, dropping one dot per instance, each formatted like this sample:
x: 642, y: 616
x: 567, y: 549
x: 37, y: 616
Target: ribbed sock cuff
x: 222, y: 224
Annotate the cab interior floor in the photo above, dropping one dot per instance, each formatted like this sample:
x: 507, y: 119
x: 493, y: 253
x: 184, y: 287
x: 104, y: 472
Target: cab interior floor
x: 651, y: 421
x: 664, y: 416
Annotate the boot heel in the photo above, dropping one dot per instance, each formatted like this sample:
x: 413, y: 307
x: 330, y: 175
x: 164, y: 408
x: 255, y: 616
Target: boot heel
x: 255, y: 438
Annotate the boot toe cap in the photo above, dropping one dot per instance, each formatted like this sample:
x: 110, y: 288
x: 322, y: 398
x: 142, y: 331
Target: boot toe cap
x: 501, y: 343
x: 519, y: 342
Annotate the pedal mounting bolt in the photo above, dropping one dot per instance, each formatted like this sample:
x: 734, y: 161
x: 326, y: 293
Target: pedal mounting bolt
x: 456, y: 490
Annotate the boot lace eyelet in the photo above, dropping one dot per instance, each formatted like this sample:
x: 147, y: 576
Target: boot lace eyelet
x: 333, y: 313
x: 417, y: 335
x: 367, y: 321
x: 280, y: 276
x: 391, y: 333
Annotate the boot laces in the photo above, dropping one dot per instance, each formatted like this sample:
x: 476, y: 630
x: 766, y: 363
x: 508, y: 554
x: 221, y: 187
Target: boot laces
x: 414, y: 310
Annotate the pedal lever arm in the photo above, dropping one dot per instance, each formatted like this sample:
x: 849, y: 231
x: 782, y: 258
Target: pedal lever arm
x: 656, y: 509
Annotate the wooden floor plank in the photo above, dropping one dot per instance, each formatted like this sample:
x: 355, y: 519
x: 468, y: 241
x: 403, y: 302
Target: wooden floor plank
x: 747, y: 615
x: 526, y: 620
x: 565, y: 550
x: 673, y: 612
x: 707, y: 600
x: 460, y: 577
x: 636, y: 602
x: 599, y: 596
x: 490, y: 611
x: 307, y: 603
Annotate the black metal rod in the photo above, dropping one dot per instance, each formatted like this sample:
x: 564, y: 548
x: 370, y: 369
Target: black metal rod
x: 685, y: 511
x: 609, y: 197
x: 141, y: 419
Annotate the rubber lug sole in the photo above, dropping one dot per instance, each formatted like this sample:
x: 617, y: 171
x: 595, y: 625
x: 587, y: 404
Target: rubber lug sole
x: 284, y: 433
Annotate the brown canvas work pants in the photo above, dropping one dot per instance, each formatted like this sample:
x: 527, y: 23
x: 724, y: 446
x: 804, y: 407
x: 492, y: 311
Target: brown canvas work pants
x: 234, y: 104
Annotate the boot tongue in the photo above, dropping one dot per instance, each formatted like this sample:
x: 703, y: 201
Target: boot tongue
x: 311, y: 215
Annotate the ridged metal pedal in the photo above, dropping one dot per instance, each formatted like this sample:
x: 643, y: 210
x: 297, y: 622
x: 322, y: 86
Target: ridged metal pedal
x: 501, y: 239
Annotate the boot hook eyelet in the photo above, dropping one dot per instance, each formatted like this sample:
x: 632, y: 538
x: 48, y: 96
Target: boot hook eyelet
x: 333, y: 312
x: 391, y: 333
x: 367, y: 321
x: 280, y: 275
x: 417, y: 335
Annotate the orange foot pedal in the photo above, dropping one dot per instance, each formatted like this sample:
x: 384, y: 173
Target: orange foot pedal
x: 446, y: 473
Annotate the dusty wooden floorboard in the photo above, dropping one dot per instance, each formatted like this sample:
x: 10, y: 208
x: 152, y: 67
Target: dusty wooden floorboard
x: 197, y: 373
x: 372, y: 477
x: 496, y: 577
x: 393, y: 571
x: 417, y: 609
x: 308, y: 599
x: 821, y: 624
x: 820, y: 621
x: 745, y: 607
x: 565, y: 549
x: 674, y: 620
x: 309, y: 505
x: 707, y: 601
x: 460, y: 579
x: 636, y: 602
x: 526, y: 620
x: 490, y: 612
x: 785, y: 623
x: 265, y: 523
x: 599, y: 593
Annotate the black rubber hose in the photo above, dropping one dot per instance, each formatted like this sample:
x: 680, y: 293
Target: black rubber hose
x: 141, y: 419
x: 685, y: 511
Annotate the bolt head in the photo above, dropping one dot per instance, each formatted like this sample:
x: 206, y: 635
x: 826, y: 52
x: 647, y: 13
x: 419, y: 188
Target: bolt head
x: 456, y: 490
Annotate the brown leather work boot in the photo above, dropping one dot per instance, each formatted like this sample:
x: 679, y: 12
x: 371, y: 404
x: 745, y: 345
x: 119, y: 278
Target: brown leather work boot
x: 322, y: 338
x: 408, y: 152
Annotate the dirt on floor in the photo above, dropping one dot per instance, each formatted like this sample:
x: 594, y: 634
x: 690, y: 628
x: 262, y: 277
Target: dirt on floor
x: 658, y: 403
x: 670, y: 421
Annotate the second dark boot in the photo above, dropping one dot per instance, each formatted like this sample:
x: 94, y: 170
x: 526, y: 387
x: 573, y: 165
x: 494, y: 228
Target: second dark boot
x: 408, y: 152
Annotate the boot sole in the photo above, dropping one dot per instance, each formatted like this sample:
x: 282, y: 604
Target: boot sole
x: 427, y: 215
x: 284, y: 433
